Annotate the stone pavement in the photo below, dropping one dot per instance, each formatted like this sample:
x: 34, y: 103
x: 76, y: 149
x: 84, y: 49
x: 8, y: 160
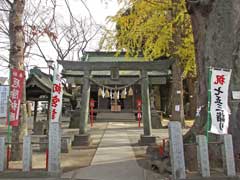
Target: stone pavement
x: 114, y: 154
x: 114, y: 159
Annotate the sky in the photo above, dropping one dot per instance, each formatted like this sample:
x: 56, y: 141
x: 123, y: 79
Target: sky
x: 99, y: 9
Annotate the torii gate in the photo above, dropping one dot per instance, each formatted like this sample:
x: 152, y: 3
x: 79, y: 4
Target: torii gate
x: 72, y: 68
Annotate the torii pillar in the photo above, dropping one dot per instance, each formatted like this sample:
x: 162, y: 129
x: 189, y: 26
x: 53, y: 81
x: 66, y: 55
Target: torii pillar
x: 83, y: 138
x: 147, y: 137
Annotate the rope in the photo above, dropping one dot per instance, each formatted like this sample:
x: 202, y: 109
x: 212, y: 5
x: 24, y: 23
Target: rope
x: 115, y: 88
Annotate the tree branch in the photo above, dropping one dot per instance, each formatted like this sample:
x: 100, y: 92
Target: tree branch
x: 5, y: 10
x: 9, y: 2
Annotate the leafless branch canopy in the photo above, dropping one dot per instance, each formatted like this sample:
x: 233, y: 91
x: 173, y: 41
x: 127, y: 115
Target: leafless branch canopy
x: 66, y: 35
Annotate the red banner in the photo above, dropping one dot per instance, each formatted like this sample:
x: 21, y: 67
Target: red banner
x: 16, y: 89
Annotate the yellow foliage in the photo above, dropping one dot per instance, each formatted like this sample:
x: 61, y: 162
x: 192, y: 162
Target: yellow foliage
x: 154, y: 28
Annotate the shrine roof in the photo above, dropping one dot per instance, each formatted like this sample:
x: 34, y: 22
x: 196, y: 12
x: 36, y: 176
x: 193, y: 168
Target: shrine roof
x: 106, y: 56
x: 108, y: 73
x: 39, y: 84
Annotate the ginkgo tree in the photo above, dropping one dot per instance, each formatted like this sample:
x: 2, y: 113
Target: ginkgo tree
x: 215, y: 27
x: 155, y: 29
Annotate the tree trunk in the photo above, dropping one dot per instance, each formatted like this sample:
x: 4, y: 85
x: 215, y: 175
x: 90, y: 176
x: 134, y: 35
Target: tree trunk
x: 177, y: 82
x: 191, y: 84
x: 216, y: 29
x: 177, y: 94
x: 16, y: 60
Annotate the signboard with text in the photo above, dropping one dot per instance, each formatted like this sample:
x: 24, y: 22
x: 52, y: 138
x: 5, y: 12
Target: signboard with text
x: 219, y: 101
x: 4, y: 91
x: 56, y: 98
x: 16, y: 89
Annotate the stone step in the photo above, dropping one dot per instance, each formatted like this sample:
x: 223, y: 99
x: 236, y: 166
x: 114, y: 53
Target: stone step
x: 116, y: 116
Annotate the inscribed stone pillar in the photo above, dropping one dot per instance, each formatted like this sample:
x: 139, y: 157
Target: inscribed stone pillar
x: 228, y: 156
x: 2, y: 154
x: 27, y: 154
x: 202, y: 156
x: 146, y: 111
x: 176, y: 150
x: 54, y: 147
x: 84, y: 109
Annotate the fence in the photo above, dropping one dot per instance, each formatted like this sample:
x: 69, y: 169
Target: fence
x: 52, y: 154
x: 177, y: 153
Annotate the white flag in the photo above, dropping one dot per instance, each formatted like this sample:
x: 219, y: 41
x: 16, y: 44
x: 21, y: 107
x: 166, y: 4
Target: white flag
x: 219, y: 101
x: 56, y: 96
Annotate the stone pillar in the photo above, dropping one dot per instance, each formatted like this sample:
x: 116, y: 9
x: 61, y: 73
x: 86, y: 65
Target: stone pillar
x: 27, y: 154
x: 84, y: 109
x: 54, y: 147
x: 176, y: 150
x: 146, y: 111
x: 228, y: 156
x: 83, y: 138
x: 147, y: 138
x: 2, y: 154
x: 202, y: 156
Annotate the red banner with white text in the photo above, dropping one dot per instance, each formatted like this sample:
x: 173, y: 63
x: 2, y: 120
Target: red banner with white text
x: 16, y: 90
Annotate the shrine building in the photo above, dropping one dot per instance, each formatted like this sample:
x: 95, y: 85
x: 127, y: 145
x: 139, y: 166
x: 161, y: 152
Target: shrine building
x: 117, y: 82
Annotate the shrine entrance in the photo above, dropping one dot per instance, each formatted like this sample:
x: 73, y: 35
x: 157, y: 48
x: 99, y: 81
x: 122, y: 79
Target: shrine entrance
x: 115, y: 84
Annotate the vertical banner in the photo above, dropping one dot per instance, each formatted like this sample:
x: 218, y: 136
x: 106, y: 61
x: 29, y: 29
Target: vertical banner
x: 4, y: 91
x: 219, y: 109
x: 56, y: 96
x: 16, y: 90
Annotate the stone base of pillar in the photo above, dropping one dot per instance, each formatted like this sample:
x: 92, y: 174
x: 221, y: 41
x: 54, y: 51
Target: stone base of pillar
x: 81, y: 140
x: 75, y: 118
x: 156, y: 120
x: 146, y: 140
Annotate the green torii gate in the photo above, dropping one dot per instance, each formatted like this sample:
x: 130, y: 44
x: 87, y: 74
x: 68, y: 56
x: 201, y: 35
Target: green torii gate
x: 73, y: 69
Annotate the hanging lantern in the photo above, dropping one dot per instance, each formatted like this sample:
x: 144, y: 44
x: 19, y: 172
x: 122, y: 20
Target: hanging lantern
x: 130, y: 91
x: 107, y: 93
x: 99, y: 91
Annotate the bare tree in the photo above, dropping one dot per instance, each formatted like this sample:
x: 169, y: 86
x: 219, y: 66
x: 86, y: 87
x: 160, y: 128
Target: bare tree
x: 16, y: 32
x: 29, y: 24
x: 69, y: 39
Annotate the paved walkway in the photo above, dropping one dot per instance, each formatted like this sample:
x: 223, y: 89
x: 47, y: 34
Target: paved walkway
x: 114, y: 158
x: 113, y: 155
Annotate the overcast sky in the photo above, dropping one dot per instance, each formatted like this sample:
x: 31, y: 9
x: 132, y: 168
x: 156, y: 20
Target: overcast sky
x: 99, y: 10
